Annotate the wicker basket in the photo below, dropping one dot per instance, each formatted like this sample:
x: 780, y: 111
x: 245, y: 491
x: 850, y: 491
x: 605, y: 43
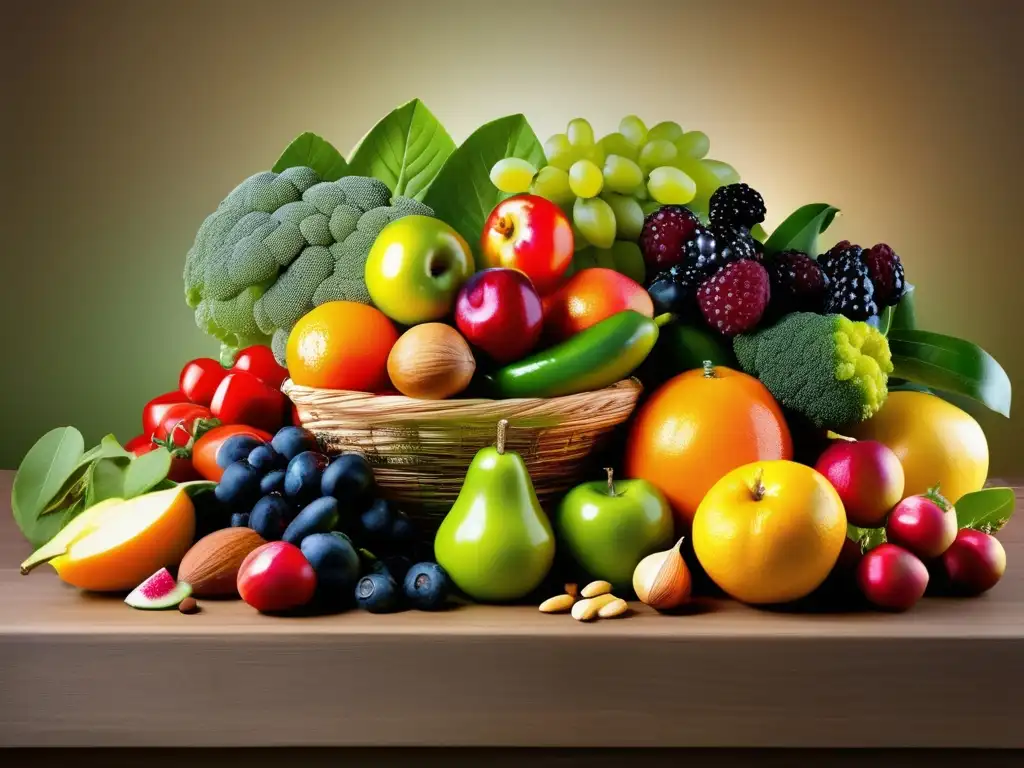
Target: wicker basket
x: 420, y: 449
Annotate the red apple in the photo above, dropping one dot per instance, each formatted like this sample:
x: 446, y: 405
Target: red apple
x: 892, y: 578
x: 531, y: 234
x: 868, y: 477
x: 499, y: 311
x: 276, y: 577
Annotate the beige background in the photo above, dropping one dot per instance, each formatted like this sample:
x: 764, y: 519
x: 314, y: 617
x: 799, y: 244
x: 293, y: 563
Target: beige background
x: 126, y: 122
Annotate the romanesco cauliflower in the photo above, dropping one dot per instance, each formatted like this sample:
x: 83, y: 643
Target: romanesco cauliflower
x: 281, y: 244
x: 828, y: 368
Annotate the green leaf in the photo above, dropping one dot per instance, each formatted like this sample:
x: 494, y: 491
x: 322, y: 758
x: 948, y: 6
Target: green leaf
x: 106, y: 480
x: 462, y: 194
x: 44, y: 470
x: 800, y: 230
x: 985, y: 510
x: 405, y: 150
x: 952, y: 365
x: 146, y: 471
x: 904, y: 317
x: 882, y: 321
x: 868, y: 538
x: 193, y: 487
x: 312, y: 151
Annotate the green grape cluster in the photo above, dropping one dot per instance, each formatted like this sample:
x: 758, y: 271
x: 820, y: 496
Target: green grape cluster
x: 607, y: 186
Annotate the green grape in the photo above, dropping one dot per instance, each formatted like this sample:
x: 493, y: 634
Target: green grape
x: 633, y: 128
x: 512, y: 175
x: 707, y: 181
x: 622, y: 175
x: 693, y: 144
x: 725, y: 172
x: 656, y: 154
x: 594, y: 153
x: 641, y: 193
x: 649, y: 207
x: 667, y: 131
x: 629, y: 216
x: 579, y: 132
x: 585, y: 179
x: 559, y: 152
x: 595, y: 220
x: 670, y: 186
x: 629, y: 260
x: 553, y: 184
x: 617, y: 144
x: 580, y: 242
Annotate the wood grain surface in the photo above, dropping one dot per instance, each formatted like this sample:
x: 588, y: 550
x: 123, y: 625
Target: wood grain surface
x: 79, y: 670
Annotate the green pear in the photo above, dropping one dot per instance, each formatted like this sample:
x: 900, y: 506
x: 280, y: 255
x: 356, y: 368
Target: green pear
x: 496, y: 542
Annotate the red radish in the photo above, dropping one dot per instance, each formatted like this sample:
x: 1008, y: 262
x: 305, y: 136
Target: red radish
x: 974, y: 562
x: 926, y: 525
x: 890, y: 577
x: 868, y: 477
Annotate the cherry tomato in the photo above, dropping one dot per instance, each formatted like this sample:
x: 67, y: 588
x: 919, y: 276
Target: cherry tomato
x: 140, y: 444
x: 179, y: 423
x: 204, y: 452
x: 181, y: 470
x: 260, y: 362
x: 199, y: 379
x: 242, y: 398
x: 154, y: 411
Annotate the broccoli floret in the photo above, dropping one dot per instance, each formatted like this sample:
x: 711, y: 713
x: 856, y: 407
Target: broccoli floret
x: 830, y: 369
x: 281, y: 244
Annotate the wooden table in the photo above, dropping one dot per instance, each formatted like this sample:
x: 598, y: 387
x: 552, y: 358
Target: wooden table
x: 80, y: 670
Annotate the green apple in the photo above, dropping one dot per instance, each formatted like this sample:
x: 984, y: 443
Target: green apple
x: 609, y: 527
x: 415, y: 269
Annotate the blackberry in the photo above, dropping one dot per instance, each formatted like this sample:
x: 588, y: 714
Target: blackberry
x: 737, y: 204
x: 850, y: 292
x: 699, y: 250
x: 732, y: 243
x: 798, y: 283
x: 886, y: 272
x: 665, y: 234
x: 675, y: 291
x: 838, y: 251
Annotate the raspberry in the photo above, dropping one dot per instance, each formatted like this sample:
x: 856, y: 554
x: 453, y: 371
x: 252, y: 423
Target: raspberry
x: 675, y: 291
x: 734, y: 299
x: 665, y: 234
x: 798, y: 283
x: 737, y: 204
x: 886, y: 272
x: 850, y: 292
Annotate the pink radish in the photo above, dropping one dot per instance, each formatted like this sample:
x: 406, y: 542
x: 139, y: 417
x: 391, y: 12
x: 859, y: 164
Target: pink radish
x: 890, y: 577
x: 974, y: 563
x: 926, y: 525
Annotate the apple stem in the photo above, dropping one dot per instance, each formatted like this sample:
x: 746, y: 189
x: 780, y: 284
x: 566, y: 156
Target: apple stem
x: 709, y: 370
x: 504, y: 226
x: 757, y: 489
x: 611, y: 481
x: 502, y: 432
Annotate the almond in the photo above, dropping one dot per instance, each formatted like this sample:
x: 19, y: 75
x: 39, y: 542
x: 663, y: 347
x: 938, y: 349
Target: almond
x: 211, y: 566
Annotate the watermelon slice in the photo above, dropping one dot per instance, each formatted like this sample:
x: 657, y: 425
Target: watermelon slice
x: 158, y: 591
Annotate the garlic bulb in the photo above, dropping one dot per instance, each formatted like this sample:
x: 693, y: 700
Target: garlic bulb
x: 662, y: 580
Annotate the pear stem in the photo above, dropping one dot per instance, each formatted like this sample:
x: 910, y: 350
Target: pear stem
x: 32, y: 563
x: 757, y: 489
x: 611, y: 481
x: 709, y: 370
x: 502, y: 432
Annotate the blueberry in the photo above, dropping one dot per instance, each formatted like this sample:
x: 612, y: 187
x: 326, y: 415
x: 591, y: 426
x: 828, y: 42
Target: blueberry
x: 302, y: 478
x: 335, y: 564
x: 240, y: 520
x: 349, y: 479
x: 291, y: 441
x: 318, y: 516
x: 377, y: 593
x: 236, y: 448
x: 403, y: 532
x: 265, y: 458
x: 272, y: 481
x: 239, y: 486
x: 269, y: 516
x: 396, y: 566
x: 426, y: 586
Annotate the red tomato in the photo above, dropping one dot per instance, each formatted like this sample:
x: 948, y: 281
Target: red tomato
x: 140, y: 444
x: 154, y: 411
x: 181, y: 470
x: 204, y: 452
x: 179, y: 423
x: 199, y: 379
x: 260, y: 362
x: 242, y: 398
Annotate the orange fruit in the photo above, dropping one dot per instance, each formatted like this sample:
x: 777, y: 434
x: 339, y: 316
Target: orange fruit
x: 936, y: 442
x: 590, y: 296
x: 341, y: 345
x: 769, y: 531
x: 699, y: 426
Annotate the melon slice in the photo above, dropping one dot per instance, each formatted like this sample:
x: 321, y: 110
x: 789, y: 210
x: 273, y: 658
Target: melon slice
x: 158, y: 591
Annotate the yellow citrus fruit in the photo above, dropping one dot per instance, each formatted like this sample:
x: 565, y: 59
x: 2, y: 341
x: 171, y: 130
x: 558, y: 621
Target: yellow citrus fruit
x: 770, y: 531
x: 937, y: 443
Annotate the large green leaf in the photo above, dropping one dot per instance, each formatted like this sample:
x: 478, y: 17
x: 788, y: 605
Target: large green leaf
x: 800, y: 230
x: 405, y: 150
x: 904, y: 316
x: 952, y: 365
x: 146, y: 471
x: 44, y: 470
x: 312, y: 151
x: 985, y: 510
x: 462, y: 193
